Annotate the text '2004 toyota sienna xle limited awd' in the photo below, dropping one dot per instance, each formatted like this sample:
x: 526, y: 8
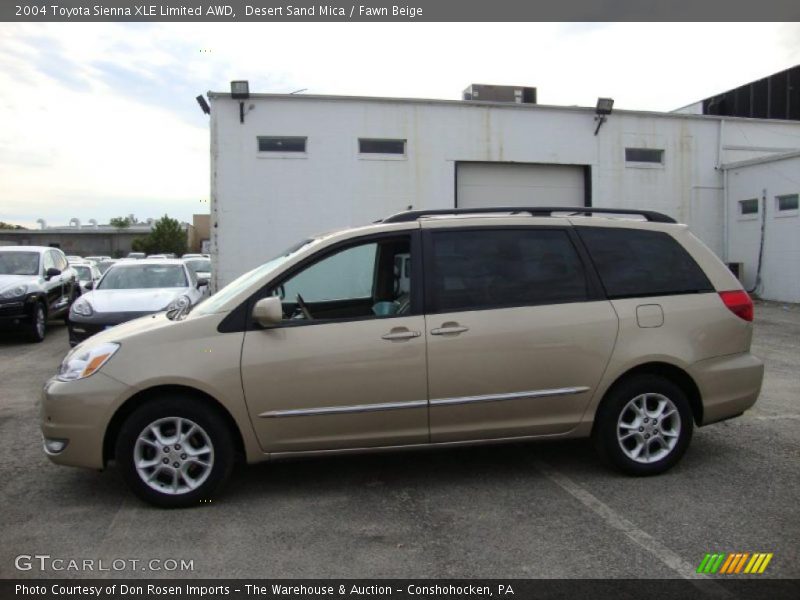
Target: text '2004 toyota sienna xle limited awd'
x: 429, y: 328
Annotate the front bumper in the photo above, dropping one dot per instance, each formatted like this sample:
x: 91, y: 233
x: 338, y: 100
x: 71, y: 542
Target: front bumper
x: 729, y: 385
x: 82, y: 328
x: 14, y: 314
x: 79, y: 412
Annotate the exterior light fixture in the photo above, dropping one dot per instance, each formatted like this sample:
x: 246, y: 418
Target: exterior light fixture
x: 203, y: 104
x: 602, y: 110
x: 240, y: 90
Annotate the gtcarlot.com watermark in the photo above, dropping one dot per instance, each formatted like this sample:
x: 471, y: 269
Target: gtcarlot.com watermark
x: 47, y: 563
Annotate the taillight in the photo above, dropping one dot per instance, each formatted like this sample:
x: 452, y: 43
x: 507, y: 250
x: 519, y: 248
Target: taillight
x: 739, y: 303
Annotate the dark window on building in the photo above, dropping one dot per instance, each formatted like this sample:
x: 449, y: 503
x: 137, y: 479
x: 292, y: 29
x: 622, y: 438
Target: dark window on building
x: 788, y: 202
x: 748, y: 207
x: 472, y: 270
x: 634, y: 262
x: 368, y: 146
x: 644, y: 155
x: 282, y: 144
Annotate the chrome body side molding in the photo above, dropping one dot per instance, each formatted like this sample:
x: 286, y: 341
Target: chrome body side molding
x: 361, y: 408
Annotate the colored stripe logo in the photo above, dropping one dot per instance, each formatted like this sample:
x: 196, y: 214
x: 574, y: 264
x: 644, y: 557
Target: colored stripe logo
x: 735, y: 563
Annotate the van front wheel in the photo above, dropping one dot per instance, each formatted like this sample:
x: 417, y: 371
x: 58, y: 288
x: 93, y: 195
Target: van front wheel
x: 644, y: 425
x: 175, y: 452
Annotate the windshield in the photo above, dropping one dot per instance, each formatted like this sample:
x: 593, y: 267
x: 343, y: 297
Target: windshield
x: 84, y: 273
x: 19, y: 263
x: 137, y: 277
x: 199, y: 265
x: 215, y: 302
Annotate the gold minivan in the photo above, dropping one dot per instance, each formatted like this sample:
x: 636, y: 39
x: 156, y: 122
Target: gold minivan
x: 429, y: 328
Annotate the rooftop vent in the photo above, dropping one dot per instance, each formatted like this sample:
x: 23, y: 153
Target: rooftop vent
x: 75, y: 222
x: 516, y: 94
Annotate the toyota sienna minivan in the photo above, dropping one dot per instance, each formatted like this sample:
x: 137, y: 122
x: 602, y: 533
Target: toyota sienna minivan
x: 429, y: 328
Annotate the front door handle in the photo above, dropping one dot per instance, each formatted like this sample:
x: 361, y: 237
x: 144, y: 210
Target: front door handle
x: 400, y: 333
x: 448, y: 328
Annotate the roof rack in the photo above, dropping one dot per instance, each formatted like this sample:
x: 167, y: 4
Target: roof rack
x: 536, y: 211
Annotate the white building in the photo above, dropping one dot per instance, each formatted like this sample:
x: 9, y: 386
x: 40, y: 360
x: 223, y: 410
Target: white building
x: 288, y: 166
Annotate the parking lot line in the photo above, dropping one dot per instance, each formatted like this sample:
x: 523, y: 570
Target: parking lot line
x: 640, y: 537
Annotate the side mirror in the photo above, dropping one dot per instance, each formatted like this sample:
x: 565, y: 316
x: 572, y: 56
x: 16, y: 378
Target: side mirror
x: 268, y: 312
x: 52, y: 272
x: 89, y: 285
x: 201, y: 282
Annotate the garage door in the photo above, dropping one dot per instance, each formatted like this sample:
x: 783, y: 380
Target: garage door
x: 512, y: 184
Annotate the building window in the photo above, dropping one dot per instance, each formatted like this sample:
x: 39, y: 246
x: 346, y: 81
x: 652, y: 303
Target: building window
x: 281, y: 144
x: 748, y: 207
x: 373, y: 146
x: 644, y: 155
x: 789, y: 203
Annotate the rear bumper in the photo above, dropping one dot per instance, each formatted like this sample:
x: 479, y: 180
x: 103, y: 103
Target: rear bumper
x: 729, y: 385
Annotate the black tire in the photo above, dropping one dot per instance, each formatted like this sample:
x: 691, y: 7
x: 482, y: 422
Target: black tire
x: 211, y: 423
x: 36, y: 329
x: 610, y: 418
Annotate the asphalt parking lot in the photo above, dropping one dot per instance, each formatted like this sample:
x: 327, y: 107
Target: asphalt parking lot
x: 535, y: 510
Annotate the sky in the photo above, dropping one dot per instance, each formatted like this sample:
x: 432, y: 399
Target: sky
x: 99, y: 120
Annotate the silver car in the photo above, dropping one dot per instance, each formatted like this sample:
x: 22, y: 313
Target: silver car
x: 132, y: 289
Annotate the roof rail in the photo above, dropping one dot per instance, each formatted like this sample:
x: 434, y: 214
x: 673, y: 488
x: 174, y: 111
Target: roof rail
x: 535, y: 211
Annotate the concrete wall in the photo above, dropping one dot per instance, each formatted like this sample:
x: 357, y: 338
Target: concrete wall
x: 263, y: 202
x: 780, y: 271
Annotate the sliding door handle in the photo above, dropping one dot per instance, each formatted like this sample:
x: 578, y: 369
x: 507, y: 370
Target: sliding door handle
x: 448, y: 329
x: 400, y: 334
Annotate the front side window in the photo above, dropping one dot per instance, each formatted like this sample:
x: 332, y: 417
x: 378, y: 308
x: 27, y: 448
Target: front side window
x: 48, y: 261
x: 19, y: 263
x: 480, y: 269
x: 634, y: 262
x: 362, y: 281
x: 143, y: 277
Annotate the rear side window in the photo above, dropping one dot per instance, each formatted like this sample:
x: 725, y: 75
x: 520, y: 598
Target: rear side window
x: 633, y: 262
x: 491, y: 268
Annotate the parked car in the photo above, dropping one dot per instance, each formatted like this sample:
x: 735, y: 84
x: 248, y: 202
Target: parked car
x: 87, y: 273
x: 201, y: 267
x: 75, y: 259
x: 104, y: 265
x: 98, y: 259
x: 36, y: 284
x: 157, y: 256
x: 506, y: 327
x: 132, y: 289
x: 136, y: 255
x: 195, y: 256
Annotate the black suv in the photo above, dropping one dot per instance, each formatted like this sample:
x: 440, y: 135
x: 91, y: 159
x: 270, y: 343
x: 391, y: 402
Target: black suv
x: 36, y: 284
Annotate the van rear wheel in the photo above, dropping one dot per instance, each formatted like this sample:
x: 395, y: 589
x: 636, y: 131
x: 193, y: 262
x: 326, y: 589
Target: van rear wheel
x: 644, y: 425
x: 175, y: 452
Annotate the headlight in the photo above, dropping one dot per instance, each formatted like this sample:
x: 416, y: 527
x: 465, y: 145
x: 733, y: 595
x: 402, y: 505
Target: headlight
x: 82, y: 307
x: 179, y: 303
x: 14, y: 292
x: 83, y: 363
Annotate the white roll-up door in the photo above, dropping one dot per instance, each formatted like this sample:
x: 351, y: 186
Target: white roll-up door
x: 514, y: 184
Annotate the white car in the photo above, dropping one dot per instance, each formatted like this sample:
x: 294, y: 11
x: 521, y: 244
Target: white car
x: 133, y: 289
x: 87, y: 273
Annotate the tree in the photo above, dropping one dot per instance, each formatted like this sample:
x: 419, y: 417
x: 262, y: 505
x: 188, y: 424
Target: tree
x: 167, y: 236
x: 4, y: 225
x: 121, y: 222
